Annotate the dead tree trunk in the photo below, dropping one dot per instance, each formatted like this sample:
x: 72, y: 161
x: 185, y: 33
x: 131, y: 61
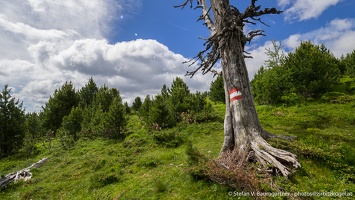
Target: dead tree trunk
x: 23, y: 174
x: 243, y: 133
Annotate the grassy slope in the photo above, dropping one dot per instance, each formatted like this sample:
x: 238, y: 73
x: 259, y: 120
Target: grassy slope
x: 138, y: 168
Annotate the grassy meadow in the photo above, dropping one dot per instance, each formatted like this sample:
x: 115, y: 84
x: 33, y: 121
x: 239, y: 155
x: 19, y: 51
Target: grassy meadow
x: 155, y: 164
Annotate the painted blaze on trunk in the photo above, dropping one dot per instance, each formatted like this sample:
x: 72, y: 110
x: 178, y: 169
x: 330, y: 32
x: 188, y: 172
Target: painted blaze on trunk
x: 244, y: 136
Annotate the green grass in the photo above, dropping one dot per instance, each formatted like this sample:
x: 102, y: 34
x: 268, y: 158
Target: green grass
x: 325, y: 144
x: 150, y: 165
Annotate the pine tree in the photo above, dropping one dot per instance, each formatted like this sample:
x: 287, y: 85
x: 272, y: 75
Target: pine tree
x: 33, y: 125
x: 92, y: 124
x: 137, y: 103
x: 349, y: 64
x: 88, y: 92
x: 106, y: 117
x: 12, y: 123
x: 72, y: 123
x: 144, y: 110
x: 272, y: 82
x: 58, y: 106
x: 127, y: 108
x: 160, y: 113
x: 165, y: 92
x: 178, y: 92
x: 115, y: 120
x: 104, y: 97
x: 313, y: 70
x: 217, y: 90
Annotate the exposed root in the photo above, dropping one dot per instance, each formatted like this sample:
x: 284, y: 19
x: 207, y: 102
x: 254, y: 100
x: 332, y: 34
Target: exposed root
x: 267, y: 155
x: 267, y: 135
x: 263, y: 153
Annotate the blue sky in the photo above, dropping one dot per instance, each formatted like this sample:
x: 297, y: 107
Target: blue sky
x: 139, y: 45
x: 179, y: 30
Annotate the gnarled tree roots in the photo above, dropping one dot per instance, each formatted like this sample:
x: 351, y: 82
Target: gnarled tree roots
x: 259, y: 151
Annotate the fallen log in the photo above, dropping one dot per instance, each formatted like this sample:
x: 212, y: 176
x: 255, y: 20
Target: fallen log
x: 23, y: 174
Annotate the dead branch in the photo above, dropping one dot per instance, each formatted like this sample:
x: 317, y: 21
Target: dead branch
x: 254, y: 11
x: 206, y: 16
x: 233, y: 24
x: 207, y: 57
x: 23, y: 174
x: 253, y: 34
x: 247, y: 55
x: 182, y: 6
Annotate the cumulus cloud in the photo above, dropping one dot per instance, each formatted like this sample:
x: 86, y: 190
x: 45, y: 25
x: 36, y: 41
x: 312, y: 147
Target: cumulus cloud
x: 135, y: 67
x: 46, y: 43
x: 299, y: 10
x: 33, y: 31
x: 338, y: 36
x: 30, y: 32
x: 259, y: 58
x: 27, y: 22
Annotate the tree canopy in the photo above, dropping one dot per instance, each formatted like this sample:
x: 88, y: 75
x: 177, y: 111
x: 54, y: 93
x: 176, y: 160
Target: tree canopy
x: 309, y: 72
x: 58, y: 106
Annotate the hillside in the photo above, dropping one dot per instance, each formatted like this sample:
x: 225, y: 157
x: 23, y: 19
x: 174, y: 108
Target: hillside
x: 154, y: 165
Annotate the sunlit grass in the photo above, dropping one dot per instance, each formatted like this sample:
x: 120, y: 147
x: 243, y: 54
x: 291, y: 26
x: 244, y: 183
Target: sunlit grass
x: 142, y: 168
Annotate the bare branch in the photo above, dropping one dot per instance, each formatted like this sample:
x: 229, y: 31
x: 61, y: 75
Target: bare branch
x: 182, y: 6
x: 253, y: 2
x: 206, y: 16
x: 207, y: 57
x: 253, y: 34
x: 210, y: 55
x: 248, y: 22
x: 254, y: 11
x: 247, y: 55
x: 233, y: 22
x: 201, y: 4
x: 259, y: 19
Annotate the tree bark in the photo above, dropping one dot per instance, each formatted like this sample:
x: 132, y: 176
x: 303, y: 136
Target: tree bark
x: 244, y: 137
x: 243, y: 133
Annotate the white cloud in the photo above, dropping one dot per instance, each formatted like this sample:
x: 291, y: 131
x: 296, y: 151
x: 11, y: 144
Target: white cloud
x: 30, y: 32
x: 284, y: 3
x: 27, y: 22
x: 304, y: 9
x: 134, y: 67
x: 47, y: 43
x: 293, y: 41
x: 338, y: 36
x: 258, y: 60
x: 344, y: 44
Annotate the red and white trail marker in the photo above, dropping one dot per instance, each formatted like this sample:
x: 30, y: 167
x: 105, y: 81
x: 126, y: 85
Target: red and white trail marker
x: 235, y: 94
